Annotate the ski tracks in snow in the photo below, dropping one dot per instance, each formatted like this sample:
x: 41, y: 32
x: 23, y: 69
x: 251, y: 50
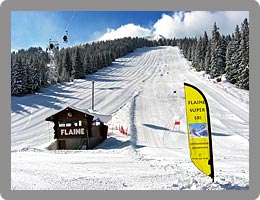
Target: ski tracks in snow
x: 137, y: 90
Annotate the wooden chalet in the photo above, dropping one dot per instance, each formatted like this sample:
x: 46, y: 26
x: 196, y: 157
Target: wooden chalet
x: 78, y: 129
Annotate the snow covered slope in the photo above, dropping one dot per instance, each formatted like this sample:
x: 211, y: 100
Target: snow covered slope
x: 137, y: 90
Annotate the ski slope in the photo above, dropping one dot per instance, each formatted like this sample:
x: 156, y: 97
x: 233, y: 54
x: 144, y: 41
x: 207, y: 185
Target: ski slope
x: 137, y: 90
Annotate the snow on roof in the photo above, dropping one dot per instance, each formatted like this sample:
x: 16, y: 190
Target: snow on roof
x: 103, y: 117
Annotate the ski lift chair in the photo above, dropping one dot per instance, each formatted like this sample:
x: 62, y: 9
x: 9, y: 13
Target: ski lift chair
x: 65, y: 37
x: 51, y: 46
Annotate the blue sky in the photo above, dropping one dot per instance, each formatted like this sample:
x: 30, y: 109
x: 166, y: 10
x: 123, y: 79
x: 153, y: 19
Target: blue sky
x: 35, y: 28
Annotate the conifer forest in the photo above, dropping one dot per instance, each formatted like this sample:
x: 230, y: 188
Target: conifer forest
x: 213, y: 53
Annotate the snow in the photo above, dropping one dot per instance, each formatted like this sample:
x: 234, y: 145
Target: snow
x: 96, y: 115
x: 138, y: 92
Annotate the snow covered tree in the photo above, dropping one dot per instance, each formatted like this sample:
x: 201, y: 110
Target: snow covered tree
x: 205, y: 43
x: 207, y: 62
x: 18, y: 78
x: 30, y: 75
x: 217, y: 54
x: 35, y: 76
x: 198, y: 57
x: 108, y: 58
x: 229, y: 53
x: 233, y: 57
x: 86, y: 64
x: 193, y: 49
x: 67, y: 64
x: 221, y: 54
x: 243, y: 71
x: 77, y: 66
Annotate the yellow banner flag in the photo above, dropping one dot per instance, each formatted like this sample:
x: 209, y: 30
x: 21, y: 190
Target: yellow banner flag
x: 199, y: 130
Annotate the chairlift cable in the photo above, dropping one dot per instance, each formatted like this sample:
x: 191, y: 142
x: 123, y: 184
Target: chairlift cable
x: 65, y: 37
x: 70, y: 21
x: 52, y: 24
x: 58, y: 30
x: 51, y: 31
x: 58, y: 35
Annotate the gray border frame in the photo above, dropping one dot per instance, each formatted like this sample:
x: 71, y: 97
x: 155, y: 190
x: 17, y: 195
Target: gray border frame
x: 212, y: 5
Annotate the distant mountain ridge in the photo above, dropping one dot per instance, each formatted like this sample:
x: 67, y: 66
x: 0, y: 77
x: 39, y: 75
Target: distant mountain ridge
x: 155, y: 37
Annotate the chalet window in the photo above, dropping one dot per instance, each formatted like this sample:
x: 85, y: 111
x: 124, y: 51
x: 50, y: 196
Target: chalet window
x: 96, y: 122
x: 80, y: 123
x: 71, y: 123
x: 68, y: 124
x: 61, y: 124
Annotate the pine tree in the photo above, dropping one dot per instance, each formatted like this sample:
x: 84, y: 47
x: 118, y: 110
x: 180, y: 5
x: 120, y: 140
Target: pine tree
x: 67, y: 64
x: 193, y: 49
x: 223, y: 47
x: 29, y: 72
x: 108, y: 58
x: 35, y: 76
x: 207, y: 62
x: 243, y: 71
x: 18, y: 78
x: 87, y: 65
x: 205, y: 42
x: 233, y: 57
x: 229, y: 53
x: 217, y: 59
x: 77, y: 65
x: 199, y: 57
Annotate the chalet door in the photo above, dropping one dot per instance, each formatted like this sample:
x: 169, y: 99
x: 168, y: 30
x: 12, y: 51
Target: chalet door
x: 62, y: 144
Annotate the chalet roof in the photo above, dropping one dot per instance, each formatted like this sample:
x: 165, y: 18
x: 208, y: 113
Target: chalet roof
x: 103, y: 117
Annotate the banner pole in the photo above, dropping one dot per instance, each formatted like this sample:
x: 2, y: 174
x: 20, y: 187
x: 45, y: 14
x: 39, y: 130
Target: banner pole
x: 210, y: 139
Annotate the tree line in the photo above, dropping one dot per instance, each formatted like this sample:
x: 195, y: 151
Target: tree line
x: 35, y: 68
x: 221, y: 55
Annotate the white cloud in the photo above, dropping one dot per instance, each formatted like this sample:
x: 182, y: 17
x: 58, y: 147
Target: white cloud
x: 128, y: 30
x: 194, y: 23
x: 182, y: 24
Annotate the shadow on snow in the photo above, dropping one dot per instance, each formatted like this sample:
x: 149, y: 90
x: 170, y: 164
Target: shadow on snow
x: 219, y: 134
x: 230, y: 186
x: 156, y: 127
x: 49, y: 98
x: 113, y: 143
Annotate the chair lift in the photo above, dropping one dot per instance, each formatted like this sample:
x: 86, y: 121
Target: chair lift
x: 65, y: 37
x: 53, y: 44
